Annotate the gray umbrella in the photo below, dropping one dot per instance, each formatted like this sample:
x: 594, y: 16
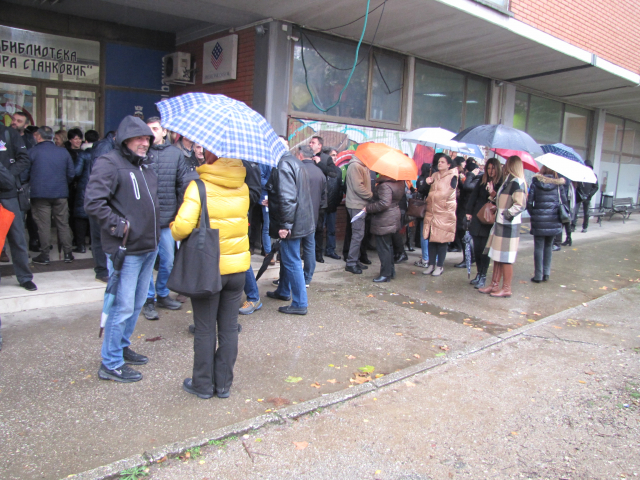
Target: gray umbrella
x: 499, y: 136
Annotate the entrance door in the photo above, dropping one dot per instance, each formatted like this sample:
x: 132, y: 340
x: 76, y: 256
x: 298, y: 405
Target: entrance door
x: 70, y: 108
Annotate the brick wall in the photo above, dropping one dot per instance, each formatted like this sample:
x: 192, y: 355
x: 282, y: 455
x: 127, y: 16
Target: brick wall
x: 608, y: 28
x: 242, y: 87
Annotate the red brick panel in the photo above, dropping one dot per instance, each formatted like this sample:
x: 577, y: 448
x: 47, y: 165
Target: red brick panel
x: 242, y: 87
x: 608, y: 28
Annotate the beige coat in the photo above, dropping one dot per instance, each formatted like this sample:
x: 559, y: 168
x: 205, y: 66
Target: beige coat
x: 358, y: 184
x: 440, y: 216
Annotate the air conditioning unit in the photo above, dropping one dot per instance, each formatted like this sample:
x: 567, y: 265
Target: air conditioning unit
x: 176, y: 68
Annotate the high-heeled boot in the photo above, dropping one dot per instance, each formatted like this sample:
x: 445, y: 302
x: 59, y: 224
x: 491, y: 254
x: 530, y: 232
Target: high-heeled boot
x: 495, y: 280
x: 507, y: 274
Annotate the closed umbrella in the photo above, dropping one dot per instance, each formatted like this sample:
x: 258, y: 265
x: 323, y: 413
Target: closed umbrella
x: 223, y: 126
x: 563, y: 151
x: 574, y: 171
x: 499, y: 136
x: 388, y: 161
x: 468, y: 246
x: 114, y: 280
x: 275, y: 247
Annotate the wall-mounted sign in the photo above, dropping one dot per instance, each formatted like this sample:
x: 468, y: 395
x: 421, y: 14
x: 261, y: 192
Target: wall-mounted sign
x: 50, y: 57
x: 220, y: 59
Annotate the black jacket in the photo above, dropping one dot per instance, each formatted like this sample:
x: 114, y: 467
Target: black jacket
x: 123, y: 186
x: 543, y: 203
x: 52, y: 170
x: 422, y: 188
x: 290, y: 205
x: 174, y: 175
x: 334, y: 188
x: 585, y: 191
x: 318, y: 187
x: 83, y: 171
x: 465, y: 190
x: 102, y: 147
x: 13, y: 161
x: 253, y: 181
x: 478, y: 197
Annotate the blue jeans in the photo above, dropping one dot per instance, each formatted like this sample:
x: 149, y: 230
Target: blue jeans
x: 330, y: 222
x: 123, y: 316
x: 266, y: 239
x: 251, y: 286
x: 166, y: 252
x: 309, y: 256
x: 424, y: 244
x: 291, y: 275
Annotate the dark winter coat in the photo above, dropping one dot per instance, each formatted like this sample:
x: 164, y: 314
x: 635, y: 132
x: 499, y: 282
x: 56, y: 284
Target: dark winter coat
x: 123, y: 187
x: 422, y: 187
x: 290, y: 206
x: 385, y: 209
x: 334, y: 188
x: 318, y: 187
x: 52, y: 170
x: 14, y: 160
x: 543, y: 204
x: 478, y: 197
x: 585, y: 191
x: 465, y: 190
x: 102, y: 147
x: 253, y: 181
x: 83, y: 171
x: 174, y: 175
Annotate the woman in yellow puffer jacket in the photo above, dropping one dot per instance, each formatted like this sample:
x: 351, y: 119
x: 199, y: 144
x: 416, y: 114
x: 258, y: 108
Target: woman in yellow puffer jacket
x: 228, y: 205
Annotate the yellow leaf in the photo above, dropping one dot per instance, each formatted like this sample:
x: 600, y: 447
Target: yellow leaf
x: 189, y: 311
x: 379, y: 375
x: 301, y: 445
x: 410, y: 384
x: 316, y: 385
x: 331, y: 365
x: 378, y: 472
x: 416, y: 355
x: 530, y: 320
x: 333, y: 380
x: 261, y: 399
x: 399, y: 334
x: 581, y: 381
x: 443, y: 313
x: 201, y: 462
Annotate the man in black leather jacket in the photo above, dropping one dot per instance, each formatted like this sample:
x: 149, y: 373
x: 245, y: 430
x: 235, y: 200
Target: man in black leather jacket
x: 291, y: 217
x: 584, y: 194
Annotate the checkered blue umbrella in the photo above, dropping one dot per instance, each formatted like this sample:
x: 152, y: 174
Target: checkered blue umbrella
x: 562, y: 151
x: 223, y: 126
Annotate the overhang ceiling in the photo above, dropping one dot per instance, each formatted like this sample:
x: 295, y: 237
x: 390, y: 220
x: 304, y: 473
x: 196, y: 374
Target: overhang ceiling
x: 459, y: 33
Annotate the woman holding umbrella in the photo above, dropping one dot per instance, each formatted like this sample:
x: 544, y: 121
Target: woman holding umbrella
x: 439, y: 226
x: 484, y: 191
x: 502, y: 245
x: 546, y: 195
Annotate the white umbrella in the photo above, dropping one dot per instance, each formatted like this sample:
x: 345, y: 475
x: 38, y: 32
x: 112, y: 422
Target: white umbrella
x: 574, y: 171
x: 441, y: 138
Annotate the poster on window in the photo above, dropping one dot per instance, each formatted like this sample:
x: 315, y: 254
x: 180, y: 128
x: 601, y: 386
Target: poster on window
x: 220, y: 60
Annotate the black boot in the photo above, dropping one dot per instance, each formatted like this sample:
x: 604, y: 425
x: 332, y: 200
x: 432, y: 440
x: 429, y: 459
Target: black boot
x: 481, y: 281
x: 462, y: 264
x: 567, y: 242
x: 475, y: 280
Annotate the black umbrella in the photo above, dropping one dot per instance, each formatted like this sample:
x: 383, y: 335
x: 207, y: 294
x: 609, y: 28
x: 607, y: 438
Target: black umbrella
x: 499, y: 136
x: 275, y: 247
x: 468, y: 245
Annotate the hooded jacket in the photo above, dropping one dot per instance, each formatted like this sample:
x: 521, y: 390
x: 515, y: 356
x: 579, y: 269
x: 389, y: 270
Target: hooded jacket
x: 385, y: 209
x: 123, y: 187
x: 228, y: 204
x: 358, y: 184
x: 440, y: 216
x: 543, y: 203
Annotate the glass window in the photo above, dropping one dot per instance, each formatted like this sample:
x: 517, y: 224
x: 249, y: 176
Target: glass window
x: 521, y: 111
x: 386, y: 88
x: 70, y: 108
x: 17, y: 98
x: 608, y: 177
x: 576, y: 126
x: 326, y: 67
x: 545, y: 120
x: 628, y: 178
x: 476, y: 102
x: 613, y: 128
x: 631, y: 138
x: 437, y: 98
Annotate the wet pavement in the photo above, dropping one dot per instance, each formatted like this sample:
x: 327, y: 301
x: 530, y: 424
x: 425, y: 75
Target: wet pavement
x: 58, y: 418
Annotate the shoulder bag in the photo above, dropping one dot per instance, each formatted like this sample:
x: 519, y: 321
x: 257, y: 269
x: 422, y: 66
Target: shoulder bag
x: 563, y: 210
x: 417, y: 208
x: 487, y: 214
x: 196, y: 268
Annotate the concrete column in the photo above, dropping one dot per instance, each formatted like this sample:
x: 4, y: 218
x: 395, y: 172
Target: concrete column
x: 595, y: 147
x: 408, y: 114
x: 495, y: 103
x: 508, y: 104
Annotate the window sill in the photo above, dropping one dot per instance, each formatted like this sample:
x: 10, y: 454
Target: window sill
x: 488, y: 4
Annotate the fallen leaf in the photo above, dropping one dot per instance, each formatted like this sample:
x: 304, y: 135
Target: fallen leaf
x: 201, y: 462
x: 333, y: 380
x: 514, y: 433
x: 268, y: 410
x: 581, y: 381
x: 351, y: 357
x: 410, y: 384
x: 291, y: 379
x: 261, y: 399
x: 443, y: 313
x: 189, y: 311
x: 279, y: 401
x: 444, y: 347
x: 438, y: 291
x: 301, y: 445
x: 440, y: 354
x: 399, y: 334
x: 589, y: 373
x: 360, y: 378
x: 413, y: 273
x: 531, y: 320
x: 316, y: 385
x: 379, y: 375
x: 378, y: 472
x: 154, y: 339
x: 537, y: 314
x: 367, y: 369
x: 416, y: 355
x: 369, y: 296
x: 331, y: 365
x: 163, y: 459
x: 557, y: 327
x: 523, y: 281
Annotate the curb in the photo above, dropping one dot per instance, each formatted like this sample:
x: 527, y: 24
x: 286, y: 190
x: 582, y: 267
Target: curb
x: 291, y: 412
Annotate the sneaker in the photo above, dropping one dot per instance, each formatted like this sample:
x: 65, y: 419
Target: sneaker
x: 149, y: 310
x: 584, y: 230
x: 293, y: 310
x: 68, y: 257
x: 249, y: 307
x: 29, y: 285
x: 104, y: 279
x: 123, y: 374
x: 168, y: 303
x: 421, y: 263
x: 133, y: 358
x: 187, y: 386
x: 41, y: 259
x: 437, y: 271
x: 276, y: 282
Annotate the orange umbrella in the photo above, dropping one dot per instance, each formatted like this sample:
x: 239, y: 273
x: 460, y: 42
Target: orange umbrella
x: 387, y: 161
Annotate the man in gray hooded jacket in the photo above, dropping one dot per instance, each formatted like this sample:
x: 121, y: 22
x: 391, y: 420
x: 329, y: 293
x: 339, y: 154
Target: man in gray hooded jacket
x: 122, y: 196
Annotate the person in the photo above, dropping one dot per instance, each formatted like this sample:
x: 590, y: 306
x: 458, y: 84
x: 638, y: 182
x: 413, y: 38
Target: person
x: 122, y: 197
x: 82, y: 170
x: 358, y: 185
x: 52, y: 170
x: 334, y: 199
x: 291, y: 218
x: 385, y: 222
x: 174, y: 175
x: 502, y: 245
x: 397, y: 239
x: 570, y: 192
x: 320, y: 157
x: 60, y: 138
x: 543, y: 204
x: 466, y: 184
x: 20, y: 122
x: 584, y: 194
x: 421, y: 193
x: 14, y: 160
x: 484, y: 191
x: 216, y: 316
x: 198, y: 152
x: 439, y: 226
x: 456, y: 245
x: 318, y: 193
x: 186, y: 146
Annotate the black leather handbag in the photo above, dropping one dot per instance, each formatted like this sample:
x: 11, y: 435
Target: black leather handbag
x: 196, y: 268
x: 563, y: 210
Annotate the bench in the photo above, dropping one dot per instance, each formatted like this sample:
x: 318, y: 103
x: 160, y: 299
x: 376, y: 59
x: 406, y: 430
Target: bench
x: 624, y: 207
x: 598, y: 213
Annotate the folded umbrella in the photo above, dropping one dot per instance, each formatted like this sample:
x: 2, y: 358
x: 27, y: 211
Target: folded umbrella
x: 223, y: 126
x: 527, y: 160
x: 387, y: 161
x: 468, y: 245
x: 114, y: 280
x: 499, y: 136
x: 563, y: 151
x: 275, y: 247
x: 574, y: 171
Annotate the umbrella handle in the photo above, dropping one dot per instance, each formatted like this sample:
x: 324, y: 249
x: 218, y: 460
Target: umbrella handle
x: 126, y: 235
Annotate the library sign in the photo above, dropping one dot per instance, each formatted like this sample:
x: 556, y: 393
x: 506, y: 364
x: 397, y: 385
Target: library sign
x: 48, y: 57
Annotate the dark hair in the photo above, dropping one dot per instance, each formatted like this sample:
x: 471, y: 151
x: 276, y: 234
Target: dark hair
x: 73, y: 133
x: 458, y: 161
x: 153, y: 120
x: 436, y: 159
x: 497, y: 167
x: 470, y: 165
x: 92, y: 136
x: 328, y: 150
x: 46, y: 133
x: 318, y: 138
x: 22, y: 114
x: 548, y: 171
x: 306, y: 151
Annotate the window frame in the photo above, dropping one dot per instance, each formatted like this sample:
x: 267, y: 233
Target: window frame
x: 620, y: 153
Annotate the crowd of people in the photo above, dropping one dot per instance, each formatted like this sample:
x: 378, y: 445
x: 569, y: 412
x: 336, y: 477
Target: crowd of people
x: 138, y: 184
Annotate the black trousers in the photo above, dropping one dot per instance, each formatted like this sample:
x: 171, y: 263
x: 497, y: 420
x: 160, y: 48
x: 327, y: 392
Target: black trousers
x: 99, y: 258
x: 384, y: 246
x: 398, y: 243
x: 482, y: 260
x: 439, y: 251
x: 80, y: 228
x: 320, y: 234
x: 213, y: 367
